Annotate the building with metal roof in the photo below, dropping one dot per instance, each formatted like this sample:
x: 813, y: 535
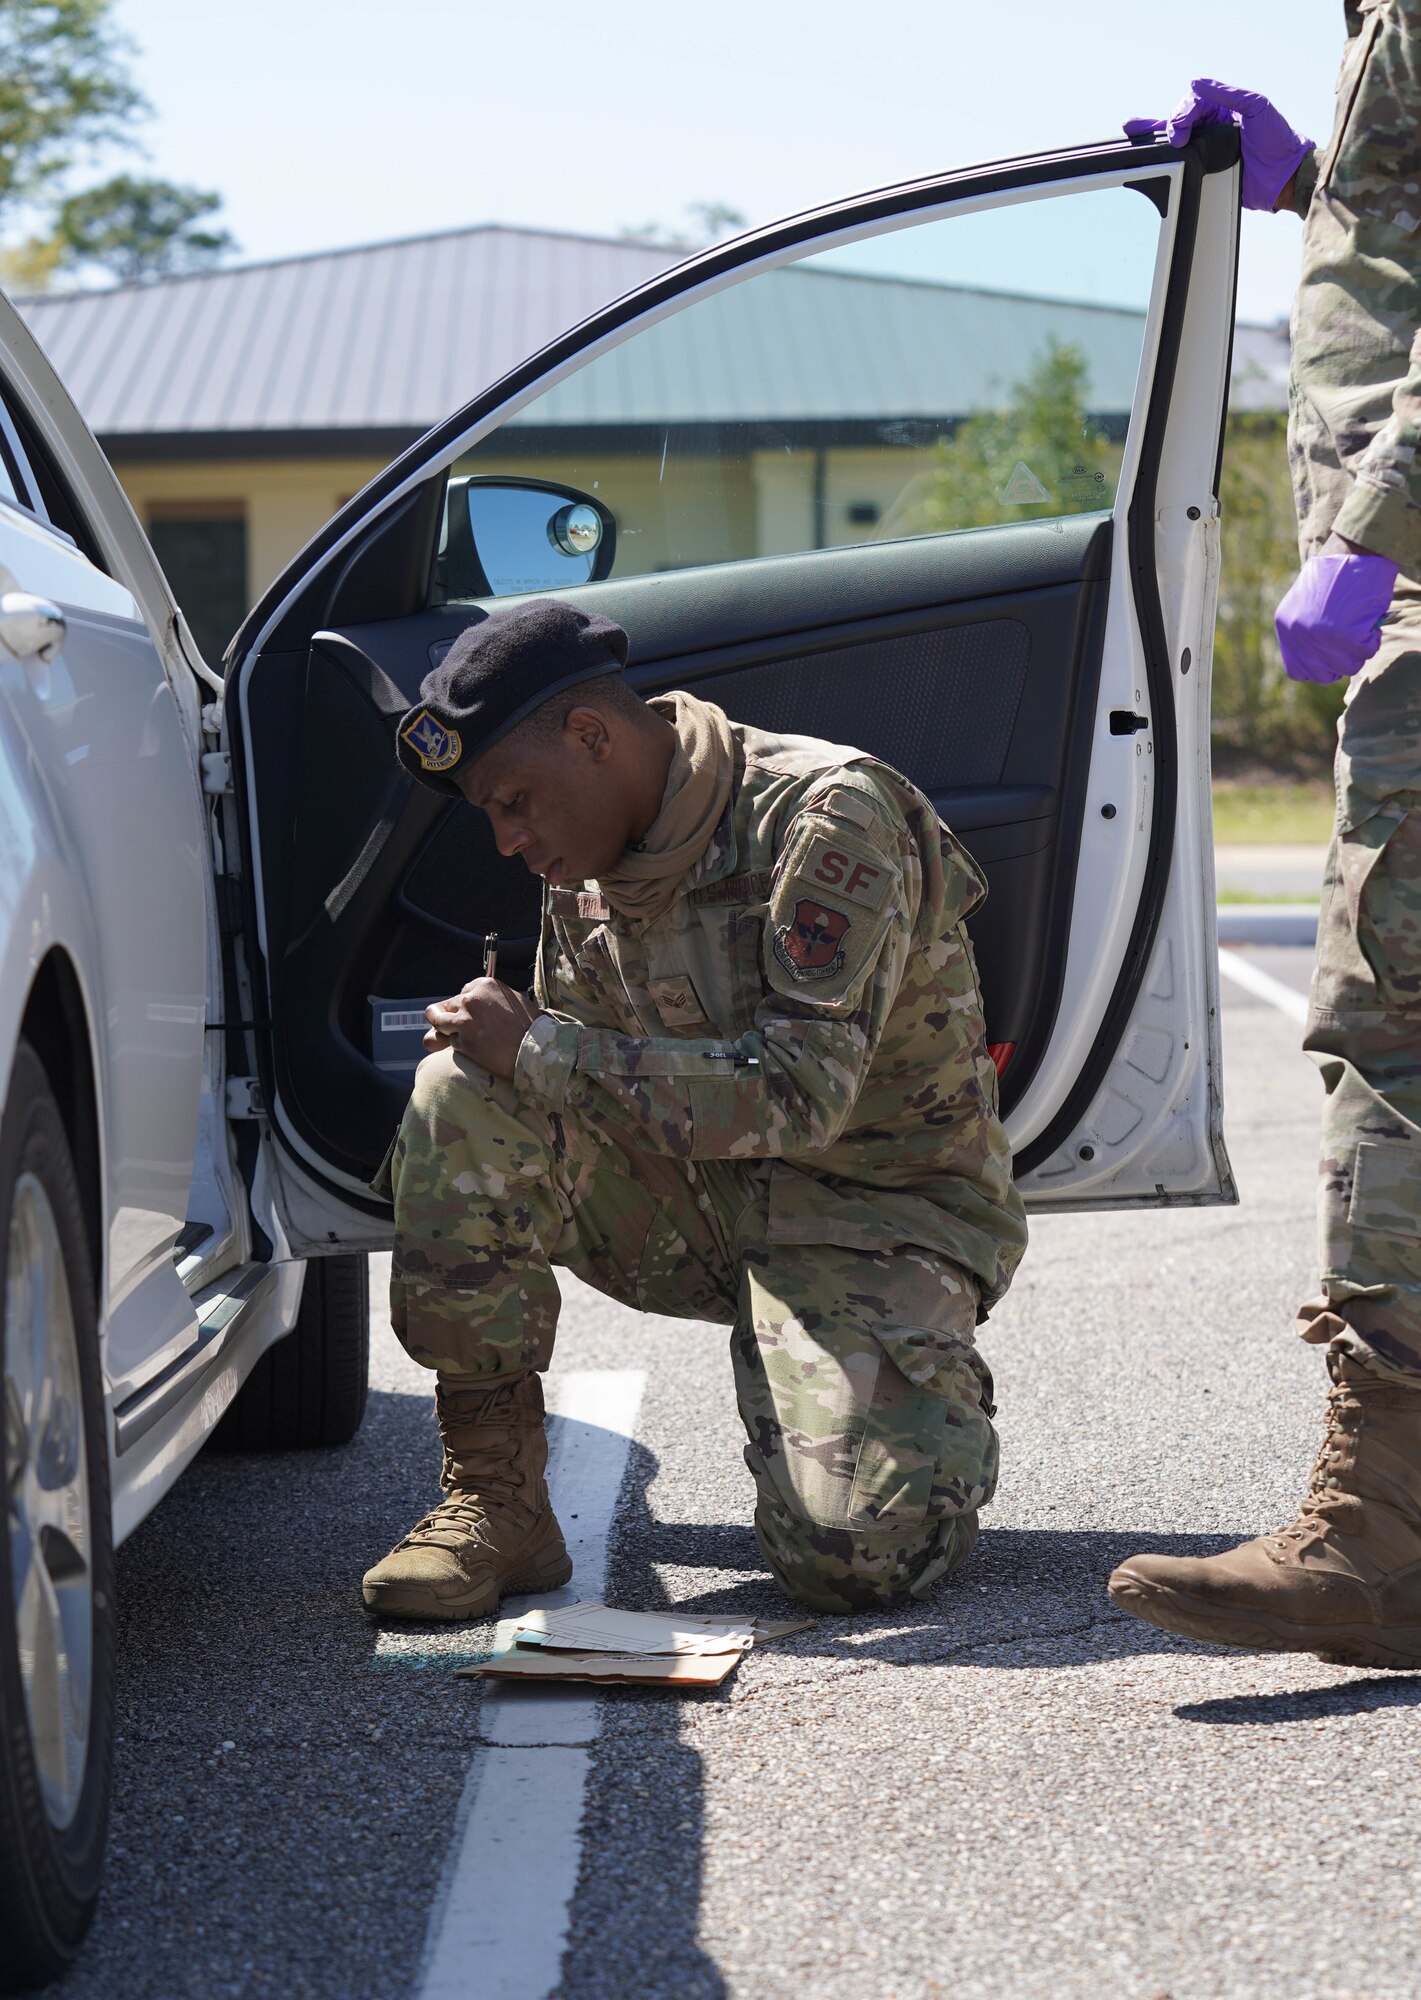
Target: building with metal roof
x: 357, y: 350
x: 242, y: 405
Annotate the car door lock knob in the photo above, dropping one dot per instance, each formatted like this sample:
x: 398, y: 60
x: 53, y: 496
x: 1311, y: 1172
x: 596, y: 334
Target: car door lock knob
x: 30, y: 627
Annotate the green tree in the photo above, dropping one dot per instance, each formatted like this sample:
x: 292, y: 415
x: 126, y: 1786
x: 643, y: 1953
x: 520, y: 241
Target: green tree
x: 1041, y: 440
x: 710, y: 221
x: 63, y: 89
x: 140, y: 229
x: 1256, y: 708
x: 1043, y: 425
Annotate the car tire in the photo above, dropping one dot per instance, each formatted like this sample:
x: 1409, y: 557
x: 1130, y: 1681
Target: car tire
x: 56, y: 1554
x: 309, y: 1389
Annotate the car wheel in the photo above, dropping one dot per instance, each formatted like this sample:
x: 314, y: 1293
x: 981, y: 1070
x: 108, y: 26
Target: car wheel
x: 309, y: 1389
x: 56, y: 1556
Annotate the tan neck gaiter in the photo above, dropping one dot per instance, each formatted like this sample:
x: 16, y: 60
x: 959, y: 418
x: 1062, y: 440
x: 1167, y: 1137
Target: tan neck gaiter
x: 644, y: 882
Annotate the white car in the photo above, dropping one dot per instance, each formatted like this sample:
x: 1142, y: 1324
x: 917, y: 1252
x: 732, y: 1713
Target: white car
x: 875, y: 474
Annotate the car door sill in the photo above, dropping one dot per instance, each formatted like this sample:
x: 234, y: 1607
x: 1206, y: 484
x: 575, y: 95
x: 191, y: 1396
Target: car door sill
x: 220, y: 1314
x: 201, y: 1263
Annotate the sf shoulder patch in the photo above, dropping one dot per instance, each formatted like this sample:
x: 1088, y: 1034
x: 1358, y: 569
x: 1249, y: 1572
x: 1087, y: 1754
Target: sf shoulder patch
x: 835, y: 897
x: 830, y: 866
x: 811, y: 944
x: 437, y: 748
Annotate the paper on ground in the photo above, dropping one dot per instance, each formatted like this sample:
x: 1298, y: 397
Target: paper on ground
x: 594, y: 1642
x: 540, y: 1663
x: 596, y: 1628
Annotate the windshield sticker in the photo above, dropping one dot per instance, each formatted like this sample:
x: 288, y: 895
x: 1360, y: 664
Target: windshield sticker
x: 1023, y: 489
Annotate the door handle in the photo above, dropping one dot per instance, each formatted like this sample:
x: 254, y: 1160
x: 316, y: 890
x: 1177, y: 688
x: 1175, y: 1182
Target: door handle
x: 30, y: 627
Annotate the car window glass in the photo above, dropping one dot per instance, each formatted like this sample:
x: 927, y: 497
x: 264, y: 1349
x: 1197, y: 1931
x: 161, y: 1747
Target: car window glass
x: 16, y: 483
x: 957, y: 373
x: 53, y: 499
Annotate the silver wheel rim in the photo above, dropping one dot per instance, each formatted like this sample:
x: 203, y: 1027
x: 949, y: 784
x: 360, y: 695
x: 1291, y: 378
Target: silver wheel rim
x: 47, y: 1501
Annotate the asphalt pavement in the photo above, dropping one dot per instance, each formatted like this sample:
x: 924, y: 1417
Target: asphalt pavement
x: 1009, y: 1790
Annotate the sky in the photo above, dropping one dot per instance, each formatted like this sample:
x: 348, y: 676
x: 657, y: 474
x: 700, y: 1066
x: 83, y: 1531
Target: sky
x: 329, y: 122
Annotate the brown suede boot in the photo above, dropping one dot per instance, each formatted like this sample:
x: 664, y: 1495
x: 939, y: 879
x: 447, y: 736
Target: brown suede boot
x: 496, y: 1532
x: 1344, y: 1581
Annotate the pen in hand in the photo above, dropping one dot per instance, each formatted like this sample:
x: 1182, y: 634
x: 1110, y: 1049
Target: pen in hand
x: 491, y: 955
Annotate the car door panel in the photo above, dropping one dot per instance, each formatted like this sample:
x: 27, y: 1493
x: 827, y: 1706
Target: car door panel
x: 390, y: 889
x: 1022, y: 674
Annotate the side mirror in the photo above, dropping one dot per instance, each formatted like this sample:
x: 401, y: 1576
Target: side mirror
x: 503, y: 536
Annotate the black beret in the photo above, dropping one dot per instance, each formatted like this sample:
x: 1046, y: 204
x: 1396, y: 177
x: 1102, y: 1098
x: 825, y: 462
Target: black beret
x: 495, y: 674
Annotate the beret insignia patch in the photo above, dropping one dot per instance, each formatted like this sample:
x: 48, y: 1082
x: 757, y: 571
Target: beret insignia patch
x: 811, y: 944
x: 436, y: 747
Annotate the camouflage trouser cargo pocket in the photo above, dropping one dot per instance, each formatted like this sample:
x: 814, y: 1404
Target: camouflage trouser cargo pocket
x: 866, y: 1403
x: 1369, y: 923
x: 1369, y: 1215
x: 926, y: 1451
x: 1386, y: 1191
x: 491, y: 1194
x: 1370, y: 1218
x: 868, y: 1483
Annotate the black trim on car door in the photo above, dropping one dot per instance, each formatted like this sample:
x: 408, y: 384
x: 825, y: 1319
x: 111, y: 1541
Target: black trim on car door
x: 1215, y: 149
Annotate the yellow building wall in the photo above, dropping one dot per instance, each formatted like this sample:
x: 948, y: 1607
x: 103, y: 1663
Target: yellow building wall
x: 664, y: 507
x: 698, y: 508
x: 285, y: 500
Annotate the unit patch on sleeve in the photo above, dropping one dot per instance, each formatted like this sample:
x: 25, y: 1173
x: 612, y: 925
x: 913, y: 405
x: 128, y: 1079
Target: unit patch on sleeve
x: 437, y: 748
x: 827, y: 866
x: 811, y: 944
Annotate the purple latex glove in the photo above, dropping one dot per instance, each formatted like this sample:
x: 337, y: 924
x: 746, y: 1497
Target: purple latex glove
x: 1272, y: 150
x: 1329, y: 624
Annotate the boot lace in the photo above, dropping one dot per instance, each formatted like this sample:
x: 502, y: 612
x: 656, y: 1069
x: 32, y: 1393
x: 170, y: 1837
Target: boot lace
x: 1344, y: 1416
x: 479, y: 1476
x: 459, y: 1519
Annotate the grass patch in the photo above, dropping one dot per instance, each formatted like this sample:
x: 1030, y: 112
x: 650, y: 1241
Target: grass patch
x: 1274, y: 815
x: 1254, y: 896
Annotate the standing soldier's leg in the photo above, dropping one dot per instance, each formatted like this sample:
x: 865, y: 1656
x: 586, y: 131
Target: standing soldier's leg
x: 868, y: 1410
x: 489, y: 1194
x: 1344, y: 1580
x: 1364, y: 1032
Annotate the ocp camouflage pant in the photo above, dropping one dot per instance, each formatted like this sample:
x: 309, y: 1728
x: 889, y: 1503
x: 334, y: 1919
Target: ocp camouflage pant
x: 866, y: 1404
x: 1364, y: 1025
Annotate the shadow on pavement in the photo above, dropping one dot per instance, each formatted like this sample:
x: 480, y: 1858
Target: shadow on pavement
x: 1044, y: 1585
x: 281, y: 1811
x: 1029, y: 1598
x: 272, y: 1787
x: 1308, y: 1704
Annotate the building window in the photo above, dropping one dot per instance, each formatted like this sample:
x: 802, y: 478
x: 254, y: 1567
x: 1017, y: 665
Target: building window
x: 202, y: 546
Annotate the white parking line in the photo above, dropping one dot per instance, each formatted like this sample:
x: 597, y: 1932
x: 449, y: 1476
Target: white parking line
x: 1263, y: 986
x: 499, y: 1922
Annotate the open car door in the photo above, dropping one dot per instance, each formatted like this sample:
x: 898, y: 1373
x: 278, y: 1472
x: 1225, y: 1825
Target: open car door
x: 931, y: 471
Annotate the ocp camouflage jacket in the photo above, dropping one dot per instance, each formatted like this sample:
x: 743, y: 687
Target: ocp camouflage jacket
x: 1355, y: 415
x: 809, y: 999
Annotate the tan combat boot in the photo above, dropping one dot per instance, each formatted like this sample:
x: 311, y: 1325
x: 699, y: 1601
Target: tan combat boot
x: 1344, y: 1581
x: 496, y: 1532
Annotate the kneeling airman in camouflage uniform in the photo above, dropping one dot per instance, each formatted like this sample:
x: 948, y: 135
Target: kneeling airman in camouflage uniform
x: 750, y: 1085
